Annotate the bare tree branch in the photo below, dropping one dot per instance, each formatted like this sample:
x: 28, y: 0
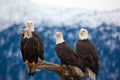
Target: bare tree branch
x: 65, y: 72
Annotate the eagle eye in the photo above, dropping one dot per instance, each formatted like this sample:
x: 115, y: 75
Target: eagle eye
x: 83, y: 31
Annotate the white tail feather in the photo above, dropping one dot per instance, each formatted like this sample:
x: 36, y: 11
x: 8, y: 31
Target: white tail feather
x: 78, y: 71
x: 33, y: 70
x: 28, y: 69
x: 91, y: 74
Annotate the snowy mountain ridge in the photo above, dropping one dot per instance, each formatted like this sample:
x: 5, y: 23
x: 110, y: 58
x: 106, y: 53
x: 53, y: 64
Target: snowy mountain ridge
x: 21, y: 11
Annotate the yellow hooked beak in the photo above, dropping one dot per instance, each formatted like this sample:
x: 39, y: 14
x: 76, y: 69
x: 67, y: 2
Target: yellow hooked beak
x: 81, y: 32
x: 57, y: 34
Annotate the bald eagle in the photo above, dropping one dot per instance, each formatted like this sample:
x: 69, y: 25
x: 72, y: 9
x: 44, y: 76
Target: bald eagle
x: 31, y: 48
x: 65, y: 53
x: 86, y: 50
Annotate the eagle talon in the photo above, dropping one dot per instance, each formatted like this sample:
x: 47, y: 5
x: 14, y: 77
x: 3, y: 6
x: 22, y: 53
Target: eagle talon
x: 58, y: 66
x: 26, y: 62
x: 64, y: 65
x: 33, y: 63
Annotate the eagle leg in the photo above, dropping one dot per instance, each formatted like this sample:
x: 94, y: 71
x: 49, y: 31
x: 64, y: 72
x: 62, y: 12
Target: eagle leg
x: 33, y: 63
x: 26, y: 62
x: 33, y: 68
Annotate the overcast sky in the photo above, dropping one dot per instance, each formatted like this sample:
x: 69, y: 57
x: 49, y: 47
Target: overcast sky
x: 54, y: 12
x: 100, y: 5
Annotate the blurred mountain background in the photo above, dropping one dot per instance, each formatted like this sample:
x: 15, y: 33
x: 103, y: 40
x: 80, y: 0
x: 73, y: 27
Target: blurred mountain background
x: 103, y: 27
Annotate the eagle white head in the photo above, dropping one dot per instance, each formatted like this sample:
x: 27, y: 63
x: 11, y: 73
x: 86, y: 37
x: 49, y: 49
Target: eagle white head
x: 59, y: 37
x: 83, y: 34
x: 30, y: 26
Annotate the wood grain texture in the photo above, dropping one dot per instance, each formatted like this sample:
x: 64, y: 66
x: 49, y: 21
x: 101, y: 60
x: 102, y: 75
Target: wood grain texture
x: 65, y: 72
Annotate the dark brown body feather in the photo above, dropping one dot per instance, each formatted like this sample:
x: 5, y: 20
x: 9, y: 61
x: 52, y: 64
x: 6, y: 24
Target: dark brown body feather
x: 86, y: 50
x: 29, y: 49
x: 67, y: 56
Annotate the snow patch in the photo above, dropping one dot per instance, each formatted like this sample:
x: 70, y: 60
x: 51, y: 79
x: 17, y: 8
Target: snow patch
x: 2, y: 42
x: 20, y: 11
x: 21, y: 75
x: 111, y: 44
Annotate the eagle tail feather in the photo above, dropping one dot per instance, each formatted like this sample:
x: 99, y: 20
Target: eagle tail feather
x: 33, y: 70
x: 28, y: 70
x: 91, y: 74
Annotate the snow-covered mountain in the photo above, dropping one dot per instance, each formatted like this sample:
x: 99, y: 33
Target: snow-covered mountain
x: 12, y: 11
x: 105, y: 37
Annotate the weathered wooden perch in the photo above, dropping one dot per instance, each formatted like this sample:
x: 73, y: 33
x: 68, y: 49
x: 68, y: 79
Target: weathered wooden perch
x: 65, y: 72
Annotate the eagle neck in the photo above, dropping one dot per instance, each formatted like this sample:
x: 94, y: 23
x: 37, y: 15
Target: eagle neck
x: 59, y: 40
x: 30, y: 28
x: 83, y: 37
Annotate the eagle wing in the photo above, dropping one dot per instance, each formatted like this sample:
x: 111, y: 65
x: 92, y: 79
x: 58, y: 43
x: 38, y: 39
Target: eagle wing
x: 67, y: 55
x: 22, y: 47
x: 40, y: 45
